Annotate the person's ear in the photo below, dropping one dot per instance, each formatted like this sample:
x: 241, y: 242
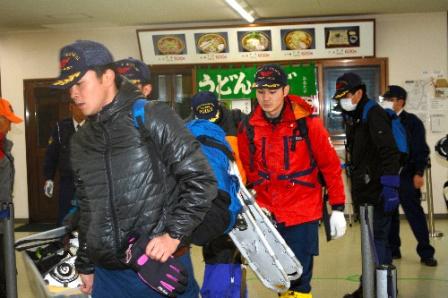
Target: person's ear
x: 358, y: 94
x: 147, y: 89
x: 286, y: 90
x: 109, y: 77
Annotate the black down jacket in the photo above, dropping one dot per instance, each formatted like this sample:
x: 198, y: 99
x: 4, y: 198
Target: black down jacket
x: 153, y: 181
x: 372, y: 152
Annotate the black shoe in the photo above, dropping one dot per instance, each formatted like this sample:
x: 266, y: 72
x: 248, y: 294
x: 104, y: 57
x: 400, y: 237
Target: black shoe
x: 430, y: 262
x: 396, y: 255
x: 355, y: 294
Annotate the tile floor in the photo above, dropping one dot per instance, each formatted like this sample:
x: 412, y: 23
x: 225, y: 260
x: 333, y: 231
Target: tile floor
x: 337, y: 269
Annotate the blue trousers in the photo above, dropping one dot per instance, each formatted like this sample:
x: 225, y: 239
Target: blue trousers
x: 126, y: 284
x: 303, y: 239
x: 410, y: 202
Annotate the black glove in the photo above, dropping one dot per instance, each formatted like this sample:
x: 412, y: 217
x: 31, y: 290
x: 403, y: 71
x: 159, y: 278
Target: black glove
x: 169, y: 278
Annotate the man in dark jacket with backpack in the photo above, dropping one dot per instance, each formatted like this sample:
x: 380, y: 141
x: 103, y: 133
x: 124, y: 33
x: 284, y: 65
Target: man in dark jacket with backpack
x: 284, y: 150
x: 374, y: 160
x: 411, y: 179
x: 154, y: 182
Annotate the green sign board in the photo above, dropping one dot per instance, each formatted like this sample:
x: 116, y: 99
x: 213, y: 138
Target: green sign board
x: 235, y: 83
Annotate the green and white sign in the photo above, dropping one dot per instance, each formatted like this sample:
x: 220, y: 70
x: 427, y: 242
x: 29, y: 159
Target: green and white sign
x: 235, y: 83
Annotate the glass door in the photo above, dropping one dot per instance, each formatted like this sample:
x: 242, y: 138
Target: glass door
x: 174, y: 87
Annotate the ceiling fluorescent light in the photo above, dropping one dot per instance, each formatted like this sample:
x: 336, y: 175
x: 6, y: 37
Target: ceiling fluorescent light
x: 241, y: 10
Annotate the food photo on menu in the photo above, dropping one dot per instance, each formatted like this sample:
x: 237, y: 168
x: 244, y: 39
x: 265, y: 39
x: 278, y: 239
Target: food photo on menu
x: 207, y: 43
x: 172, y: 44
x: 297, y: 39
x: 338, y: 37
x: 254, y: 41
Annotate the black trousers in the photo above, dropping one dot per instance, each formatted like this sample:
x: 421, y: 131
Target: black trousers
x: 66, y: 195
x: 411, y: 204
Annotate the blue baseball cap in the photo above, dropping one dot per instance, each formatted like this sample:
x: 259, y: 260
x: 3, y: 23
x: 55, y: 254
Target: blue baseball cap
x: 77, y: 58
x: 134, y: 70
x: 205, y: 105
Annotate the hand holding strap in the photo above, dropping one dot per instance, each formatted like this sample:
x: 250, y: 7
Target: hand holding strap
x: 169, y: 278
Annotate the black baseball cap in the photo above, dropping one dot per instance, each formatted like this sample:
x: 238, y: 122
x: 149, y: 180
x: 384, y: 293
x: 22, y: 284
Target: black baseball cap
x: 271, y: 76
x: 205, y: 105
x: 134, y: 70
x: 346, y: 83
x: 395, y: 91
x: 77, y: 58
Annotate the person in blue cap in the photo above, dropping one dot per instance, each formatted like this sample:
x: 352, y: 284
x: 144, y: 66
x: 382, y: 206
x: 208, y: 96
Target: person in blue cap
x: 374, y: 160
x: 131, y: 187
x: 411, y: 179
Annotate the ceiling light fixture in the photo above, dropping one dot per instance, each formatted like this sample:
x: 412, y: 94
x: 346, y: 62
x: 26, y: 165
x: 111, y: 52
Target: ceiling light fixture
x: 243, y: 11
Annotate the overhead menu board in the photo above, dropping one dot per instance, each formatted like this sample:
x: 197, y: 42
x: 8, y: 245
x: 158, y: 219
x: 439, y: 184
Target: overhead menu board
x: 258, y: 43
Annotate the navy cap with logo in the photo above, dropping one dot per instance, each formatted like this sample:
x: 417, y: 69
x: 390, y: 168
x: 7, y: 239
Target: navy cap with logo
x: 271, y: 76
x: 205, y: 105
x: 134, y: 70
x: 77, y: 58
x: 395, y: 91
x: 346, y: 83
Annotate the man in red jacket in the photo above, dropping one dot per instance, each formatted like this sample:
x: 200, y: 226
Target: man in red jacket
x: 284, y: 150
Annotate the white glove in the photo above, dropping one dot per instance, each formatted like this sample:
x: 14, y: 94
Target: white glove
x: 338, y: 225
x: 48, y: 188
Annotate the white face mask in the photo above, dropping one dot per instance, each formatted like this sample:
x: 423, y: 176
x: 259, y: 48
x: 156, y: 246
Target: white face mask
x: 347, y: 105
x: 385, y: 104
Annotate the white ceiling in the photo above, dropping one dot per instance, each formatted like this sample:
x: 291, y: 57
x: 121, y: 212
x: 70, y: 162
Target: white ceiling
x: 28, y: 15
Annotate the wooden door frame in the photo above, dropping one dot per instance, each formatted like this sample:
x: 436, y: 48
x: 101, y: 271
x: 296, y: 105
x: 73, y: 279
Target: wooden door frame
x: 31, y: 140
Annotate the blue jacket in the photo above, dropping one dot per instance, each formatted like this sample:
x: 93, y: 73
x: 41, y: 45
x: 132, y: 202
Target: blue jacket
x: 418, y: 149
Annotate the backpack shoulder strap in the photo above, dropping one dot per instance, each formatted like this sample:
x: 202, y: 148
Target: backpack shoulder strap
x: 369, y: 104
x: 207, y: 141
x: 303, y: 129
x: 250, y: 133
x: 138, y: 112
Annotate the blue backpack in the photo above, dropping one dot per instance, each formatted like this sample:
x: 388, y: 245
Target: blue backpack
x: 215, y: 148
x: 398, y: 130
x: 219, y: 155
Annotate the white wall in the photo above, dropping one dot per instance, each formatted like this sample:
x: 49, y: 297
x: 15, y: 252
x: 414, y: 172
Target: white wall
x: 412, y: 42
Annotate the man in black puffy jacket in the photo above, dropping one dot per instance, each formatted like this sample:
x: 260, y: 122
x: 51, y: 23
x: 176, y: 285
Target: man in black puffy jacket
x: 154, y: 181
x: 374, y: 160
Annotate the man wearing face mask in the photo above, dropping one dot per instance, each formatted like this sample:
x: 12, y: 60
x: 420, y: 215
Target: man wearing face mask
x: 411, y: 179
x: 374, y: 160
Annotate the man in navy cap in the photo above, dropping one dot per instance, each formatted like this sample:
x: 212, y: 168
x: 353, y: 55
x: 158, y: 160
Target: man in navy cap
x: 411, y: 179
x: 205, y: 105
x: 158, y: 186
x: 374, y: 160
x: 284, y: 150
x: 137, y: 72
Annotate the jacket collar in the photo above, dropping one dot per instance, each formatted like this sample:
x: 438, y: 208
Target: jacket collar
x: 294, y: 108
x: 127, y: 94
